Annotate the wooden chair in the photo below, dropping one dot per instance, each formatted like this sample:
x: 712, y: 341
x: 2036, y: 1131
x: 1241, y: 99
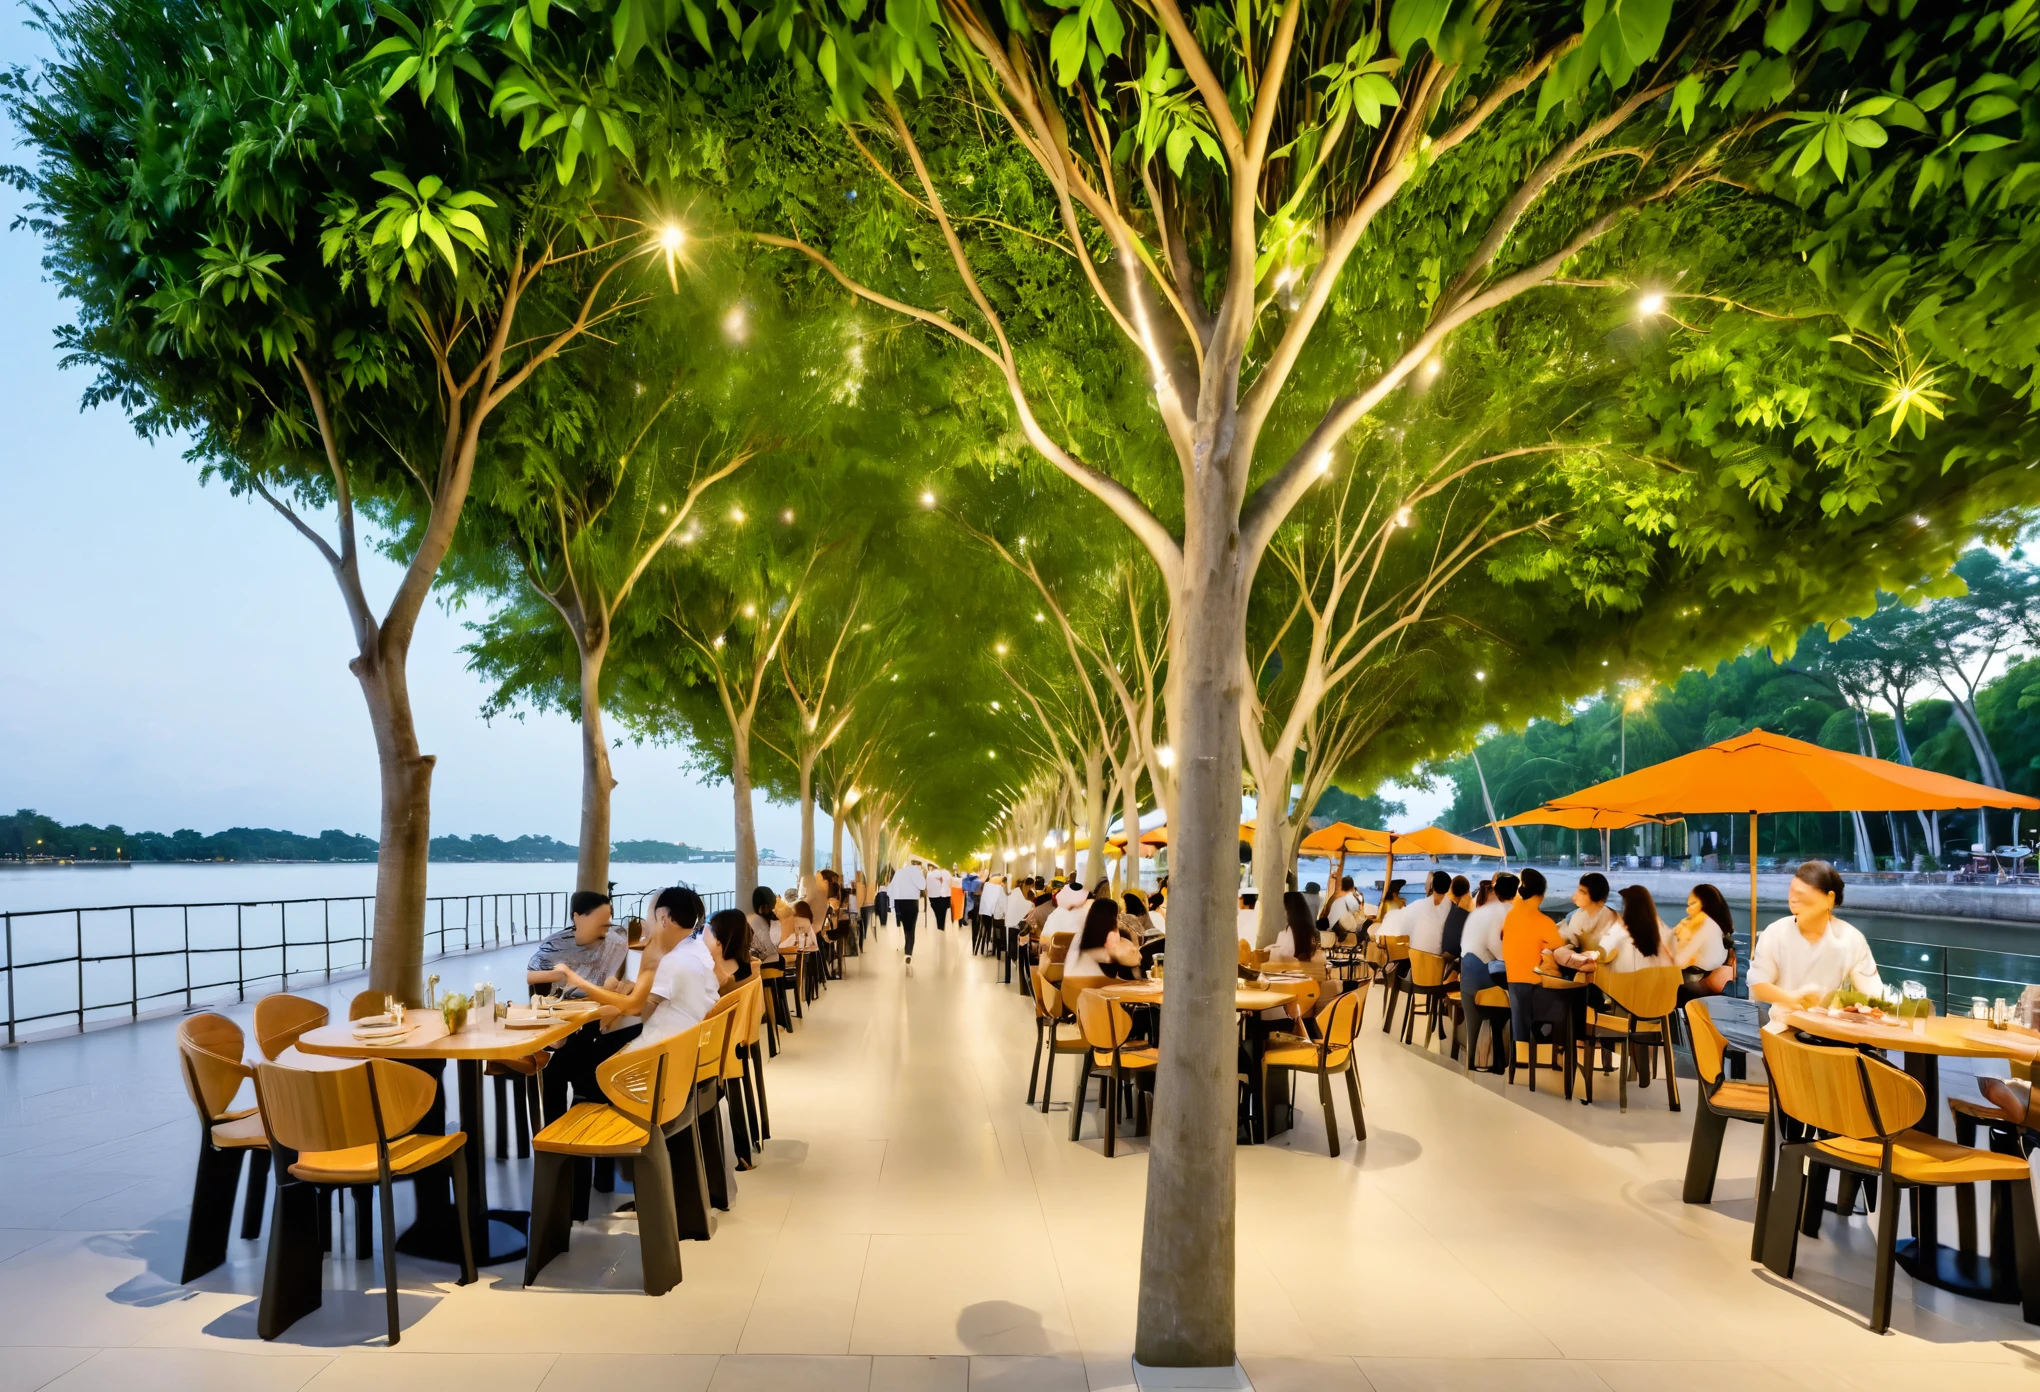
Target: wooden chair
x: 1430, y: 994
x: 1049, y: 1018
x: 1489, y: 1007
x: 2008, y: 1135
x: 774, y: 977
x: 209, y: 1057
x: 1722, y: 1100
x: 281, y: 1019
x: 1393, y: 966
x: 345, y: 1128
x: 736, y: 1074
x: 710, y: 1065
x: 1331, y: 1052
x: 365, y: 1004
x: 1644, y: 1002
x: 1107, y: 1026
x: 648, y: 1090
x: 1868, y: 1110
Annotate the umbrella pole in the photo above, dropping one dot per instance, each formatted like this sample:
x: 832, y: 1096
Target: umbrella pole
x: 1753, y: 881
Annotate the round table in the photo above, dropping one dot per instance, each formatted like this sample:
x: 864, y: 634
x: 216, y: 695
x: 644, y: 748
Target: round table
x: 497, y: 1235
x: 1246, y: 1000
x: 1943, y: 1036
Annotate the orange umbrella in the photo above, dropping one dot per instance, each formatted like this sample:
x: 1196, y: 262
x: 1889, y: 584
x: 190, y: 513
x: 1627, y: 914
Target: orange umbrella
x: 1763, y: 772
x: 1579, y: 819
x: 1341, y: 839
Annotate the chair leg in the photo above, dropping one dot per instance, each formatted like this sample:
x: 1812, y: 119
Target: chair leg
x: 212, y: 1208
x: 714, y: 1157
x: 1703, y: 1155
x: 1781, y: 1243
x: 1887, y: 1252
x: 1110, y: 1112
x: 1034, y: 1073
x: 1077, y: 1105
x: 2026, y: 1248
x: 658, y: 1226
x: 1324, y: 1089
x: 750, y: 1101
x: 258, y: 1186
x: 292, y: 1268
x: 1671, y: 1063
x: 1353, y: 1096
x: 690, y: 1184
x: 1767, y: 1166
x: 1965, y: 1194
x: 764, y: 1110
x: 1048, y: 1082
x: 458, y: 1164
x: 1817, y: 1186
x: 363, y: 1196
x: 389, y: 1247
x: 502, y: 1117
x: 552, y: 1215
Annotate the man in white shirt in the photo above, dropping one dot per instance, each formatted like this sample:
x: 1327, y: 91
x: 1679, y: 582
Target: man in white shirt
x: 905, y: 890
x: 1425, y: 920
x: 1480, y: 953
x: 684, y: 989
x: 938, y: 882
x: 1343, y: 913
x: 1017, y: 906
x: 1591, y: 915
x: 1798, y: 961
x: 991, y: 912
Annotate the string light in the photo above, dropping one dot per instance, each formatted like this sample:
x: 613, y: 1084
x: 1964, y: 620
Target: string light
x: 736, y: 514
x: 1166, y: 757
x: 1653, y: 303
x: 927, y: 500
x: 999, y: 648
x: 1324, y: 462
x: 1402, y: 517
x: 1431, y: 368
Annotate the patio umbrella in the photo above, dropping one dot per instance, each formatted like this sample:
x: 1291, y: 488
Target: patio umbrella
x: 1762, y: 772
x: 1341, y: 839
x: 1580, y: 819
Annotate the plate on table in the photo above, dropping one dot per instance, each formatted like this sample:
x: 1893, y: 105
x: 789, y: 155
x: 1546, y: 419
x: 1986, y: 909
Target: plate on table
x: 531, y: 1022
x: 369, y: 1022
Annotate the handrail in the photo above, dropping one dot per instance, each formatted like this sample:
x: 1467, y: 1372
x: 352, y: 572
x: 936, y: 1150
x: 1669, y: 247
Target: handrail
x: 107, y: 962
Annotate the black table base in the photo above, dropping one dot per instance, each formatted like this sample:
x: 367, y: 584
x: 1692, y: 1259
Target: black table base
x: 498, y: 1234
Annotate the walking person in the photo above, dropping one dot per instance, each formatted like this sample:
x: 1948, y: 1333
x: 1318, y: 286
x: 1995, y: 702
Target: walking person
x: 907, y: 884
x: 938, y: 883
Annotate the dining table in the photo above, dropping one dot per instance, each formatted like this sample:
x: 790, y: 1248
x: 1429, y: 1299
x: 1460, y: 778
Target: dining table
x: 1248, y: 1000
x: 497, y: 1234
x: 1925, y: 1042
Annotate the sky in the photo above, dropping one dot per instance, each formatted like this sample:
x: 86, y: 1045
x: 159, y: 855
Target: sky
x: 172, y: 656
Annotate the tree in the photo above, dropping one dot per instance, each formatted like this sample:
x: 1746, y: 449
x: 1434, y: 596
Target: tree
x: 285, y: 241
x: 601, y: 468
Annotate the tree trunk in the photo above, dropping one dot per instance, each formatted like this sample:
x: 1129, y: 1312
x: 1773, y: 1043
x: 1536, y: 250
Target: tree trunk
x: 807, y: 820
x: 1129, y: 813
x: 396, y: 960
x: 836, y: 836
x: 1186, y: 1263
x: 746, y: 877
x: 1271, y: 864
x: 597, y: 780
x: 1979, y: 743
x: 1095, y: 814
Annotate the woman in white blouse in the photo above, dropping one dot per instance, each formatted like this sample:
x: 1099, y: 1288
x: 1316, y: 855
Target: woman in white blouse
x: 1636, y: 939
x: 1099, y: 942
x: 1298, y: 942
x: 1703, y: 943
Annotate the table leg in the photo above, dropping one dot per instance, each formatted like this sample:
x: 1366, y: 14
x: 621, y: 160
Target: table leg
x: 1993, y: 1277
x: 497, y: 1235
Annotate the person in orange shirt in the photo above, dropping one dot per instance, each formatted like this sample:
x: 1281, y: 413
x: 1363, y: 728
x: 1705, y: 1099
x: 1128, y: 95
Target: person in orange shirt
x: 1527, y: 934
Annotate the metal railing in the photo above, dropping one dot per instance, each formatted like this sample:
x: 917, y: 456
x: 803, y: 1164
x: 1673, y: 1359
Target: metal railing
x: 95, y: 966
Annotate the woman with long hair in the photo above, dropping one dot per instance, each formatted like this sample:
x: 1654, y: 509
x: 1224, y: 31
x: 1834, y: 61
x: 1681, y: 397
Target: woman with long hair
x: 1099, y: 946
x: 1638, y: 939
x: 1298, y: 940
x: 1703, y: 944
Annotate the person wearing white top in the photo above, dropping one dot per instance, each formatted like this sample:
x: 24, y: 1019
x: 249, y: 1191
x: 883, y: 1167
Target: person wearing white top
x: 938, y: 884
x: 1703, y: 943
x: 1097, y: 942
x: 1632, y: 942
x: 1480, y: 941
x: 1249, y: 921
x: 684, y: 989
x: 1799, y: 961
x: 1424, y: 920
x: 1591, y: 914
x: 992, y: 901
x: 1068, y: 914
x: 907, y: 884
x: 1343, y: 913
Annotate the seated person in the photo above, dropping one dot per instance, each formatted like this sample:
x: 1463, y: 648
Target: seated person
x: 1634, y: 941
x: 1100, y: 946
x: 1591, y: 915
x: 1452, y: 936
x: 1424, y: 920
x: 1801, y: 960
x: 1480, y: 940
x: 675, y: 912
x: 1527, y: 935
x: 1298, y: 940
x: 1249, y: 918
x: 1343, y: 913
x: 1391, y: 900
x: 1703, y: 944
x: 594, y: 947
x: 764, y: 925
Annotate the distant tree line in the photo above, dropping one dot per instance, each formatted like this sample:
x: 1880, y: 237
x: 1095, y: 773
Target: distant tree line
x: 28, y: 835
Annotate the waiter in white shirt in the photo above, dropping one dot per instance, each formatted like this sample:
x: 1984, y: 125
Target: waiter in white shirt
x: 991, y: 909
x: 938, y: 883
x: 1017, y: 907
x: 905, y: 889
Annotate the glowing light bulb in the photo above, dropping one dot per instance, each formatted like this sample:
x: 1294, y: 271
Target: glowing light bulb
x: 1166, y: 757
x: 1653, y: 303
x: 1040, y: 617
x: 718, y: 640
x: 1480, y: 676
x: 1431, y: 368
x: 1324, y: 462
x: 928, y: 500
x: 1402, y: 517
x: 736, y: 514
x: 786, y: 516
x: 672, y: 237
x: 1000, y: 649
x: 750, y: 611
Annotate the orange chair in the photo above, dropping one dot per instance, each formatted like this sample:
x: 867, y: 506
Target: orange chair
x: 1331, y: 1052
x: 280, y: 1020
x: 1050, y: 1016
x: 209, y: 1056
x: 1106, y: 1026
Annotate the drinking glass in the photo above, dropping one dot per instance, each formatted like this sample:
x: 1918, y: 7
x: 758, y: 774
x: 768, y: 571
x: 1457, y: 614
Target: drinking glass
x: 1979, y: 1008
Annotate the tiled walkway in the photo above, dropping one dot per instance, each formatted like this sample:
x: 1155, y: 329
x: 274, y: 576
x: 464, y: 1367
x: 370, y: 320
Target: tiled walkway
x: 915, y: 1226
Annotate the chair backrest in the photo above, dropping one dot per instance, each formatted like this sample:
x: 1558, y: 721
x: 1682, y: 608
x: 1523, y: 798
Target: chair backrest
x: 209, y: 1056
x: 1047, y: 1001
x: 1398, y: 949
x: 652, y: 1078
x: 1073, y: 988
x: 336, y: 1109
x: 1104, y: 1022
x: 281, y: 1018
x: 1840, y: 1090
x: 1710, y: 1046
x: 1648, y: 993
x: 743, y: 1013
x: 365, y: 1004
x: 1246, y: 953
x: 1339, y: 1021
x: 729, y: 1009
x: 1427, y: 968
x: 715, y: 1033
x: 1305, y: 993
x: 1059, y: 942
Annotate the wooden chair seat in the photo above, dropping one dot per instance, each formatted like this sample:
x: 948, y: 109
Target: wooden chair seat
x: 1749, y: 1101
x: 592, y: 1128
x: 1918, y: 1158
x: 1303, y: 1056
x: 1497, y: 996
x: 244, y: 1131
x: 1616, y: 1022
x: 356, y: 1164
x: 1128, y: 1058
x: 527, y: 1067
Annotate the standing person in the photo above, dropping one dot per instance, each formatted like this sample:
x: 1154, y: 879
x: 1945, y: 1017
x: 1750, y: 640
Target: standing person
x: 973, y: 887
x: 938, y: 884
x: 907, y: 884
x: 1018, y: 905
x: 1801, y: 959
x: 991, y: 910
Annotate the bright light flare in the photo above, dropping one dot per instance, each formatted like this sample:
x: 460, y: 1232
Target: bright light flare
x: 927, y: 500
x: 736, y: 514
x: 1324, y: 462
x: 1652, y: 303
x: 1166, y: 757
x: 1402, y: 517
x: 1431, y: 368
x: 672, y: 240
